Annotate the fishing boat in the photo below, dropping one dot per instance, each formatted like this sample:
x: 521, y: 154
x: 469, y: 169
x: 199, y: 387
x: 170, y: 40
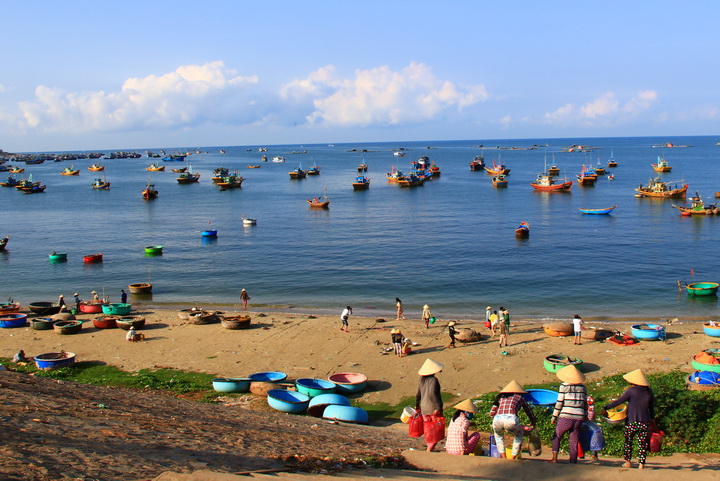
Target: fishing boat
x: 155, y: 168
x: 314, y: 170
x: 35, y: 188
x: 298, y: 173
x: 67, y: 327
x: 547, y: 183
x: 13, y: 320
x: 93, y: 258
x: 70, y: 171
x: 174, y: 158
x: 411, y: 180
x: 126, y: 322
x: 523, y: 230
x: 180, y: 170
x: 96, y: 168
x: 657, y: 188
x: 117, y: 309
x: 435, y: 170
x: 288, y: 401
x: 399, y: 153
x: 500, y: 180
x: 611, y: 161
x: 362, y: 167
x: 319, y: 202
x: 702, y: 288
x: 586, y: 176
x: 154, y: 250
x: 188, y: 177
x: 16, y: 170
x: 100, y: 184
x: 554, y: 170
x: 478, y: 163
x: 278, y: 159
x: 25, y: 183
x: 218, y: 174
x: 697, y: 207
x: 600, y: 170
x: 149, y: 192
x: 253, y: 166
x: 202, y: 317
x: 3, y: 242
x: 497, y: 168
x: 597, y: 211
x: 661, y: 165
x: 394, y: 176
x: 247, y: 221
x: 140, y: 288
x: 44, y: 308
x: 209, y: 233
x: 361, y: 183
x: 233, y: 181
x: 91, y: 307
x: 43, y: 323
x: 314, y: 386
x: 9, y: 307
x: 10, y: 182
x: 105, y: 322
x: 57, y: 257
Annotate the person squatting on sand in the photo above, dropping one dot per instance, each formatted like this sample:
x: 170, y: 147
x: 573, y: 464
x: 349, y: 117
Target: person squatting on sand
x: 133, y: 336
x: 458, y: 442
x: 571, y: 409
x: 505, y: 417
x: 428, y: 401
x: 641, y: 411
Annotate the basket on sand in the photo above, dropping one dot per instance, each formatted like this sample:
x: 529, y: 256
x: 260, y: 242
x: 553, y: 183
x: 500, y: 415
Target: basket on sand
x: 558, y: 329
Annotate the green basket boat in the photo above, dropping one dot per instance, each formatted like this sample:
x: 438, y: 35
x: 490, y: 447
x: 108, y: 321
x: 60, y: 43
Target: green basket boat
x: 554, y: 362
x: 699, y: 366
x: 154, y: 250
x: 57, y: 257
x: 702, y: 288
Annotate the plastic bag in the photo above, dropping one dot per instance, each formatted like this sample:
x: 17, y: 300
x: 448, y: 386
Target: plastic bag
x: 435, y: 430
x: 415, y: 426
x: 487, y: 324
x: 656, y: 439
x: 534, y: 444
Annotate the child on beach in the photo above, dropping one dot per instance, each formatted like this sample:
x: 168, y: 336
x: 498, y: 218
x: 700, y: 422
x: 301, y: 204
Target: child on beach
x: 452, y: 332
x: 577, y: 328
x: 344, y: 318
x: 397, y: 340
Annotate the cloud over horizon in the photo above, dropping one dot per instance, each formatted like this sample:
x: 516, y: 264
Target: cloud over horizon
x: 603, y: 109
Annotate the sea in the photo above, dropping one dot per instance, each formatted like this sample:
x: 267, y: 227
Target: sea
x: 449, y: 244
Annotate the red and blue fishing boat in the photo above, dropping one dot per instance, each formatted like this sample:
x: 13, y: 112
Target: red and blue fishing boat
x: 523, y: 230
x: 361, y: 183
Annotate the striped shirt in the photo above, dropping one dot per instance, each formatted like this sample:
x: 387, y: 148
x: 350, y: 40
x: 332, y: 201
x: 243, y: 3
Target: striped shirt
x: 572, y: 402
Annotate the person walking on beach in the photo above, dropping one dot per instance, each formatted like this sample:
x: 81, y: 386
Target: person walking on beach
x: 641, y: 411
x: 397, y: 340
x: 503, y: 328
x: 426, y: 316
x: 577, y: 329
x: 77, y: 301
x: 458, y: 442
x: 61, y: 302
x: 571, y: 409
x: 344, y: 318
x: 244, y: 297
x: 505, y: 417
x: 488, y: 313
x: 398, y: 304
x: 123, y: 296
x: 428, y: 402
x: 505, y: 317
x: 452, y: 332
x: 493, y: 322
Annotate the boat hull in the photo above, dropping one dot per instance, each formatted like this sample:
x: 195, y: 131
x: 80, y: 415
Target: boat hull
x: 561, y: 187
x: 105, y: 322
x: 541, y: 397
x: 93, y: 259
x: 347, y: 414
x: 91, y: 307
x: 57, y: 257
x: 597, y: 211
x: 315, y: 387
x: 126, y: 322
x: 237, y: 384
x: 648, y: 332
x: 317, y: 404
x: 67, y: 327
x: 54, y: 360
x: 140, y: 288
x: 702, y: 288
x: 154, y: 250
x: 117, y: 309
x: 44, y: 308
x: 555, y: 362
x: 13, y: 320
x: 712, y: 331
x: 288, y: 401
x: 42, y: 323
x: 235, y: 322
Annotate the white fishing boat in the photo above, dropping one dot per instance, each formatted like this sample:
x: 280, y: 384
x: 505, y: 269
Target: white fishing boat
x: 278, y: 158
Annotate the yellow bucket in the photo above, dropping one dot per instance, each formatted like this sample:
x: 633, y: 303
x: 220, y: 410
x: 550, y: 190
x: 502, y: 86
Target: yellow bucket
x: 508, y: 453
x: 617, y: 413
x: 407, y: 413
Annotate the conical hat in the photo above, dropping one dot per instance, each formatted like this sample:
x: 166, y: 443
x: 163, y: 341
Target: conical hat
x: 571, y: 375
x: 513, y: 387
x: 636, y: 377
x: 430, y: 367
x: 466, y: 405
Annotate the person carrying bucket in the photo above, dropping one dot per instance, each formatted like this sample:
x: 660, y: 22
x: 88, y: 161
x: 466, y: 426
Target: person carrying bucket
x: 426, y: 316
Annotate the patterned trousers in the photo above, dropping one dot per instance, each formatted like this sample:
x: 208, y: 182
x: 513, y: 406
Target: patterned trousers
x: 563, y: 426
x: 642, y: 430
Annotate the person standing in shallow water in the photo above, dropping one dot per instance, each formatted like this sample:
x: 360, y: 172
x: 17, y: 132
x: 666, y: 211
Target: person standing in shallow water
x: 399, y: 305
x: 123, y: 296
x: 244, y: 297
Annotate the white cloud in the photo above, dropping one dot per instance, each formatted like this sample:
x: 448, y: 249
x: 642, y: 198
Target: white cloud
x: 190, y: 95
x: 380, y: 96
x: 604, y: 109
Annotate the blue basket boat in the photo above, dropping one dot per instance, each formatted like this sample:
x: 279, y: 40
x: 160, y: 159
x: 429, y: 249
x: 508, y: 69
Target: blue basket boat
x: 347, y: 414
x: 209, y: 233
x: 349, y: 382
x: 288, y: 401
x: 712, y: 330
x: 541, y: 397
x: 319, y: 403
x: 54, y: 360
x: 268, y: 376
x: 314, y: 387
x: 117, y: 309
x: 648, y: 332
x: 232, y: 384
x: 13, y: 320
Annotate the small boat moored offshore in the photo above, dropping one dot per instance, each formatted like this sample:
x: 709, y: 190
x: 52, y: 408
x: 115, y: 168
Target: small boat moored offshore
x: 361, y: 183
x: 209, y: 233
x: 523, y: 230
x: 500, y: 180
x: 155, y: 167
x: 547, y: 183
x: 154, y: 250
x: 57, y: 257
x: 319, y: 202
x: 140, y: 288
x: 658, y: 188
x: 100, y: 184
x: 150, y: 192
x: 597, y: 211
x: 93, y: 258
x: 478, y: 163
x: 698, y: 207
x: 702, y: 288
x: 661, y: 165
x: 54, y: 360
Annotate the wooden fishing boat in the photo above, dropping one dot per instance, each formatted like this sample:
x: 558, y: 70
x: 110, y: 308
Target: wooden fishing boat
x: 126, y: 322
x: 586, y: 177
x: 554, y: 362
x: 154, y: 250
x: 478, y: 163
x: 697, y: 207
x: 319, y: 202
x: 712, y: 329
x: 546, y: 183
x: 500, y: 180
x: 4, y: 242
x: 9, y: 308
x: 174, y: 158
x: 349, y: 382
x: 230, y: 182
x: 704, y: 366
x: 70, y: 171
x: 611, y: 161
x: 399, y: 153
x: 96, y: 168
x: 184, y: 314
x: 13, y: 320
x: 435, y: 170
x: 554, y: 170
x: 314, y: 170
x: 91, y: 307
x: 16, y: 170
x: 10, y: 182
x: 658, y: 188
x: 559, y: 329
x: 106, y: 322
x: 411, y: 180
x: 203, y: 317
x: 93, y: 258
x: 661, y: 165
x: 188, y: 177
x: 361, y: 183
x: 56, y: 257
x: 288, y: 401
x: 149, y: 192
x: 140, y: 288
x: 25, y: 183
x: 600, y: 170
x: 346, y: 414
x: 702, y: 288
x: 100, y: 184
x: 180, y: 170
x: 278, y: 159
x: 362, y: 167
x: 35, y: 188
x: 235, y: 322
x: 597, y: 211
x: 44, y: 308
x: 117, y: 309
x: 394, y: 176
x: 253, y: 166
x: 523, y: 230
x: 54, y: 360
x: 497, y: 169
x: 219, y: 174
x: 298, y: 173
x: 67, y: 327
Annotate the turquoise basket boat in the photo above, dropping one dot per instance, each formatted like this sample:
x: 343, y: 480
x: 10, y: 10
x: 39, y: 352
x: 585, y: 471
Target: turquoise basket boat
x: 154, y: 250
x: 57, y: 257
x: 319, y: 403
x: 702, y: 288
x: 268, y: 376
x: 347, y: 414
x: 288, y: 401
x: 117, y: 309
x: 232, y: 384
x: 648, y: 332
x: 314, y: 387
x: 209, y: 233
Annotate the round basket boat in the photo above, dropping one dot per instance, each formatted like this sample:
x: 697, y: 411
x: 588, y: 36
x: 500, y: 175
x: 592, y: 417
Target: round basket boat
x: 268, y: 376
x: 541, y: 397
x: 347, y: 414
x: 318, y: 403
x: 648, y: 332
x: 42, y: 323
x: 349, y: 382
x: 140, y: 288
x: 63, y: 316
x: 554, y: 362
x: 184, y: 314
x: 559, y: 329
x: 56, y: 257
x: 701, y: 366
x: 44, y: 308
x: 105, y: 322
x: 126, y: 322
x: 154, y: 250
x: 703, y: 381
x: 712, y: 330
x: 68, y: 327
x: 13, y: 320
x: 202, y: 317
x: 235, y: 322
x: 54, y: 360
x: 117, y: 309
x: 596, y: 334
x: 209, y: 233
x: 288, y: 401
x: 231, y: 384
x: 465, y: 334
x: 702, y: 288
x: 91, y: 307
x: 314, y: 387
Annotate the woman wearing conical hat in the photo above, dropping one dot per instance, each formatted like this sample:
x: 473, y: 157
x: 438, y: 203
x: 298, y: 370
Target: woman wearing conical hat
x: 428, y: 401
x: 505, y: 417
x: 641, y: 411
x: 458, y: 442
x: 426, y: 315
x: 570, y: 410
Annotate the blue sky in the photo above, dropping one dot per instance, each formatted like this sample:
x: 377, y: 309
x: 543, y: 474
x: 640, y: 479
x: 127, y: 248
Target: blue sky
x: 83, y: 75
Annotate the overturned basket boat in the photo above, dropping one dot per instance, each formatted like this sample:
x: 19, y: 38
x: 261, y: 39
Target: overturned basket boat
x: 67, y: 327
x: 559, y: 329
x: 554, y: 362
x: 235, y: 322
x: 184, y: 314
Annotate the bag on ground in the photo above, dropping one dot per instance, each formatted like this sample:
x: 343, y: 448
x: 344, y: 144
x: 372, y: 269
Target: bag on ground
x: 415, y: 426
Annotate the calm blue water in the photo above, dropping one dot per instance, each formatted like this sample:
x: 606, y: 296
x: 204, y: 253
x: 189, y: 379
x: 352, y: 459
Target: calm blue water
x: 449, y: 244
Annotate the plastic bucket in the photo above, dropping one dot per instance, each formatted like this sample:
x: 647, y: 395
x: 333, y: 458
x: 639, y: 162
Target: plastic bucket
x: 407, y: 413
x: 508, y: 453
